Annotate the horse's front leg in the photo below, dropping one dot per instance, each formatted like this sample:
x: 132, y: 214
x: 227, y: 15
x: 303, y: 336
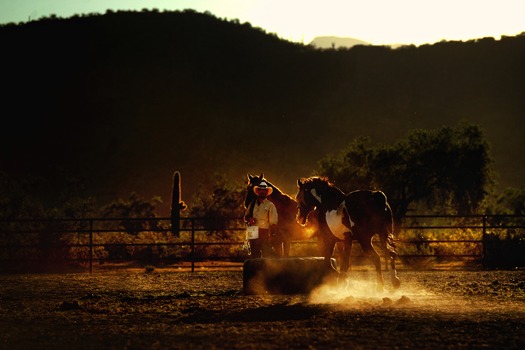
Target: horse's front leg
x: 327, y: 249
x: 344, y: 248
x: 285, y: 239
x: 366, y: 244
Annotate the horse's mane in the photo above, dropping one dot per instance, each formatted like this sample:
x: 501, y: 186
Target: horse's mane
x: 321, y: 182
x: 276, y: 190
x: 316, y: 180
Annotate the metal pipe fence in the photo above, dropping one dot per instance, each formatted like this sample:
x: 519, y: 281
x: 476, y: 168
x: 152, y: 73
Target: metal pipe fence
x: 85, y: 241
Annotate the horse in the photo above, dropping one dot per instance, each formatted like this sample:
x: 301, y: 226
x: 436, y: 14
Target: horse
x: 287, y: 227
x: 358, y: 215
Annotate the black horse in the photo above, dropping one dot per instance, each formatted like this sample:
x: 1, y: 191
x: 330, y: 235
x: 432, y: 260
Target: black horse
x: 287, y: 226
x: 358, y: 215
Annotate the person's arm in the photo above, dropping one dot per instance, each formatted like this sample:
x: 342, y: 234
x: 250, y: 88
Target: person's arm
x: 248, y: 216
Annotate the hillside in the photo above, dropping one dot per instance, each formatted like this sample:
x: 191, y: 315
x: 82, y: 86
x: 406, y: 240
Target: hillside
x: 124, y: 99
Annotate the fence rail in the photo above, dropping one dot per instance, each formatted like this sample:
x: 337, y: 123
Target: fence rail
x: 491, y: 239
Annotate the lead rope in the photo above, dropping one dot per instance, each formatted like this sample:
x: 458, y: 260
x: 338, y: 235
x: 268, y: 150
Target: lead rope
x: 246, y: 246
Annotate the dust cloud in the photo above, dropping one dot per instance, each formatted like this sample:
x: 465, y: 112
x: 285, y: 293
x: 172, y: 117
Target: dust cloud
x: 360, y: 291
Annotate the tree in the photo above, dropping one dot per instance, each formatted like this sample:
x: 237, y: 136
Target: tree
x: 17, y: 200
x: 222, y: 199
x: 218, y: 203
x: 26, y: 199
x: 350, y: 169
x: 131, y: 210
x: 510, y: 202
x: 443, y: 170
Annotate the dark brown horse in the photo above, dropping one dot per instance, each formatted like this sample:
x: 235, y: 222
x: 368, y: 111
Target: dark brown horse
x: 287, y: 227
x: 344, y: 217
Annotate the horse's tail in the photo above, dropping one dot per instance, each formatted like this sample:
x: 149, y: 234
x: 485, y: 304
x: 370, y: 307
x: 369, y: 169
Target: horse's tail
x: 388, y: 241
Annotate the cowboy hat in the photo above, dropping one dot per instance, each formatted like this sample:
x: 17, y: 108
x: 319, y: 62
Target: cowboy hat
x: 263, y: 186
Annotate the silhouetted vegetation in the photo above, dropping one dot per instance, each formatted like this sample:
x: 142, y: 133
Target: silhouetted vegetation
x: 221, y: 203
x: 123, y: 99
x: 440, y: 171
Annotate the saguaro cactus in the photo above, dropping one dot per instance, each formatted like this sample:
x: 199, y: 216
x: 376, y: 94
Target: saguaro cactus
x: 176, y: 205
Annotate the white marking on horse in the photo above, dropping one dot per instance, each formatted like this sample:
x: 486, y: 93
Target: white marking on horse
x: 352, y: 224
x: 316, y: 196
x: 334, y: 220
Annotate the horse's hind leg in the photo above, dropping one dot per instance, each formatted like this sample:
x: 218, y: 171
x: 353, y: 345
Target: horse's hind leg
x: 286, y: 247
x: 366, y: 244
x: 278, y: 244
x: 393, y: 273
x: 390, y: 256
x: 277, y: 248
x: 284, y: 243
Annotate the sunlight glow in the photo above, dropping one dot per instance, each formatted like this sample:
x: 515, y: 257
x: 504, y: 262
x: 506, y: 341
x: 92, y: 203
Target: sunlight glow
x: 387, y: 22
x: 378, y: 22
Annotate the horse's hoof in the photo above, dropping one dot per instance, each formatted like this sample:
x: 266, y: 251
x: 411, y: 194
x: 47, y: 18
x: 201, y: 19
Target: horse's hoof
x: 342, y: 278
x: 396, y: 282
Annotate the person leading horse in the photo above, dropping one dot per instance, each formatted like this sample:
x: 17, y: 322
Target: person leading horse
x: 263, y: 214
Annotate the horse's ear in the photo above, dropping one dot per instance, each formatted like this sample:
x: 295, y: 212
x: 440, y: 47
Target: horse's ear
x: 299, y: 183
x: 262, y: 176
x: 250, y: 177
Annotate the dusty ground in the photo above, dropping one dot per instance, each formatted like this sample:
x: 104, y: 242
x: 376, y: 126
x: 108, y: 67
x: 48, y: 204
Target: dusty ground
x: 208, y: 310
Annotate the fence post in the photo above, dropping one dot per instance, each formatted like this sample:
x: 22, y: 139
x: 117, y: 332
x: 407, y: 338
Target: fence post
x: 484, y: 242
x: 90, y: 246
x: 192, y: 244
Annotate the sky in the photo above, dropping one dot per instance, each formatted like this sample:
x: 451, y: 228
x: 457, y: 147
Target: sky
x: 378, y: 22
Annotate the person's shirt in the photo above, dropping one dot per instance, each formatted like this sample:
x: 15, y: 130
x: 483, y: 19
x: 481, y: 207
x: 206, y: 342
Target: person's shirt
x: 265, y: 214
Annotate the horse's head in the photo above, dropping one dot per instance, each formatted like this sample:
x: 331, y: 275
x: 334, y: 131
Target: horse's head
x: 252, y: 182
x: 308, y: 197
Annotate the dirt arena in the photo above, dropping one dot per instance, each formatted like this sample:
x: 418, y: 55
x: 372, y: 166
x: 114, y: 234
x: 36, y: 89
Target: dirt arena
x: 208, y: 310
